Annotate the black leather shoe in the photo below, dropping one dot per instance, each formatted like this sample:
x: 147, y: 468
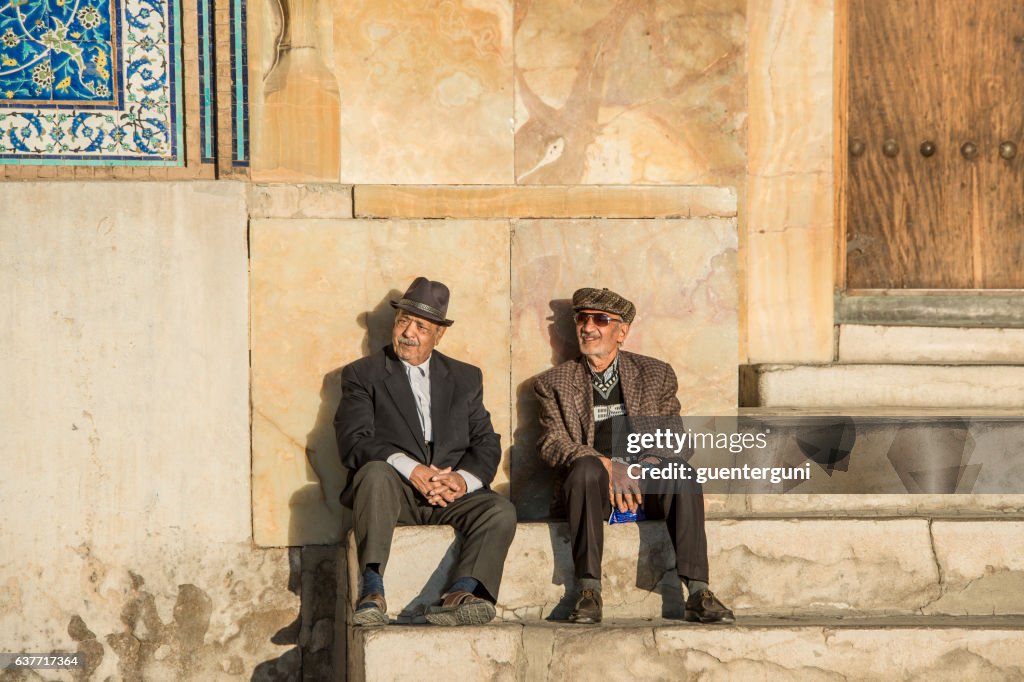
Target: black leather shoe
x: 588, y: 608
x: 371, y: 610
x: 705, y: 607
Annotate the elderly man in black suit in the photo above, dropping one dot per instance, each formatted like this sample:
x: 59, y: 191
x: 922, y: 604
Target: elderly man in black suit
x: 413, y: 427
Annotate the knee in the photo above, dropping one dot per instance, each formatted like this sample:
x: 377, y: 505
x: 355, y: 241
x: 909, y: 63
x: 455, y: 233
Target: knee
x: 503, y: 515
x: 586, y: 472
x: 375, y: 474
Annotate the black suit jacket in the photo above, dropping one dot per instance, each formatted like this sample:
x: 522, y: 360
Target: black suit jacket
x: 377, y: 416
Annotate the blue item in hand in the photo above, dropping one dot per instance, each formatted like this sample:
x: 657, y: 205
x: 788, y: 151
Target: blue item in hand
x: 626, y: 516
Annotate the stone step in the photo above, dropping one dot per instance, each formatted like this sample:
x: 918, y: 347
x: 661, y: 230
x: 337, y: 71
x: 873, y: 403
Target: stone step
x: 758, y: 566
x: 840, y: 387
x: 922, y: 648
x: 930, y: 345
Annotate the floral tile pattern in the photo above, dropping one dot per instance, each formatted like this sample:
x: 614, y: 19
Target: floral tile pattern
x: 89, y: 82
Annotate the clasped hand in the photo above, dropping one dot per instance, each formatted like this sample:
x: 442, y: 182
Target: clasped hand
x: 440, y: 487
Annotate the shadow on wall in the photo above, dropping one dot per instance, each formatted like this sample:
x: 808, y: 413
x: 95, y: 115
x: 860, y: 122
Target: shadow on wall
x: 314, y: 570
x: 532, y: 479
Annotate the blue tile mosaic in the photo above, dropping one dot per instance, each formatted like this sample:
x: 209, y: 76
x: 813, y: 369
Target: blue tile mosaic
x: 90, y: 81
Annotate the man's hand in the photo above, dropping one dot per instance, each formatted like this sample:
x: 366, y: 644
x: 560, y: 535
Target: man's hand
x: 447, y: 486
x: 623, y: 491
x: 420, y: 479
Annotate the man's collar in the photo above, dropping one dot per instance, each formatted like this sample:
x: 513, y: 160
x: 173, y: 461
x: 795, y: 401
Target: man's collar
x: 423, y: 366
x: 609, y: 371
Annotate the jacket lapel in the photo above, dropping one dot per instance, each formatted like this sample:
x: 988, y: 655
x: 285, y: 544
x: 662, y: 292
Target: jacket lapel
x: 583, y: 399
x: 401, y: 393
x: 632, y: 390
x: 441, y: 389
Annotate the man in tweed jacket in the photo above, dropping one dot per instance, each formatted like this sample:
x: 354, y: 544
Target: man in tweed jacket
x: 578, y: 400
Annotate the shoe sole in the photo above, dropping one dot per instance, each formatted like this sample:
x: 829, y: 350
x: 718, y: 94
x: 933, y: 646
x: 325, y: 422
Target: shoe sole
x: 476, y: 613
x: 693, y: 617
x: 370, y: 618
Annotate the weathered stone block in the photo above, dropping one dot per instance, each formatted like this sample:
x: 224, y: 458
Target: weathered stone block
x: 391, y: 201
x: 790, y: 233
x: 610, y: 93
x: 493, y: 652
x: 930, y: 345
x: 853, y: 386
x: 982, y: 564
x: 300, y: 201
x: 427, y: 93
x: 757, y: 566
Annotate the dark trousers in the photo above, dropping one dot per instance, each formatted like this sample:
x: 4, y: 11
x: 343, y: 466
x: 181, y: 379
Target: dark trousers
x: 588, y: 506
x: 485, y: 520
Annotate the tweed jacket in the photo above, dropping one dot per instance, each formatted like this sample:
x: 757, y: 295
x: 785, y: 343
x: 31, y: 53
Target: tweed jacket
x: 377, y: 416
x: 566, y: 398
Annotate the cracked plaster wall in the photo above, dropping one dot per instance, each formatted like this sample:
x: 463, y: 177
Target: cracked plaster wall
x: 125, y: 515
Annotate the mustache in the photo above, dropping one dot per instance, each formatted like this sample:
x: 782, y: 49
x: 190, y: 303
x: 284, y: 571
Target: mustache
x: 408, y: 342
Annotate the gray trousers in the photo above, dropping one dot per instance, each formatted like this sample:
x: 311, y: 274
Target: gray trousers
x: 485, y: 521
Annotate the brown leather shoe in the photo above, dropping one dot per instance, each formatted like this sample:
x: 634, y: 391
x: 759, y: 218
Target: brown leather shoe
x: 460, y: 608
x: 588, y: 608
x: 705, y: 607
x: 371, y: 610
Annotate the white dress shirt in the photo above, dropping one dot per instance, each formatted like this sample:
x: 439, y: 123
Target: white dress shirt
x: 419, y: 382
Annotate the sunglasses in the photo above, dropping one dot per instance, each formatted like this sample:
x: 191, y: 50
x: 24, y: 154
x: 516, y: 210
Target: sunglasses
x: 599, y: 319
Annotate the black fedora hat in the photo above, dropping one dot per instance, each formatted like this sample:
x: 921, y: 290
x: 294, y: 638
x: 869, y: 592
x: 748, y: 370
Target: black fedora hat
x: 427, y: 299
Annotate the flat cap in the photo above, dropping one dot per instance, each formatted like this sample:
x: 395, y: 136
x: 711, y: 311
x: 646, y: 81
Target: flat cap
x: 605, y: 300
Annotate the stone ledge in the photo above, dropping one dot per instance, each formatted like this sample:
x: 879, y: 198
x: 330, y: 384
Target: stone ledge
x: 791, y: 567
x: 930, y: 345
x: 517, y: 201
x: 291, y: 200
x: 861, y: 386
x: 819, y: 648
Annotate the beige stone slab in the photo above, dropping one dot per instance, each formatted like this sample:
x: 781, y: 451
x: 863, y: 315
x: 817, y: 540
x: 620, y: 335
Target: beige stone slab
x: 124, y: 354
x: 930, y: 345
x: 300, y: 201
x: 820, y: 650
x: 493, y: 652
x: 822, y: 653
x: 757, y: 566
x: 320, y: 299
x: 982, y: 565
x: 891, y: 385
x: 886, y: 505
x: 153, y: 604
x: 609, y: 201
x: 789, y: 250
x: 427, y: 91
x: 627, y: 93
x: 681, y: 274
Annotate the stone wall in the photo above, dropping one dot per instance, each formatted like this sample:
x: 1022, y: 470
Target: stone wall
x: 125, y: 521
x: 320, y: 299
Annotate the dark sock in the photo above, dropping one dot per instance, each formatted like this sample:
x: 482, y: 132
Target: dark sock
x: 373, y: 581
x: 465, y: 584
x: 694, y: 586
x: 590, y: 584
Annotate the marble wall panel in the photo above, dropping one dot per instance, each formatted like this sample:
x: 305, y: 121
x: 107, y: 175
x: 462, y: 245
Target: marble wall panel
x: 426, y: 90
x: 630, y: 92
x: 681, y: 274
x: 124, y: 355
x: 320, y: 299
x: 789, y: 250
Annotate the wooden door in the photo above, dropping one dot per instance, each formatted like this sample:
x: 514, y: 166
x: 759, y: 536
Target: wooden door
x: 927, y: 77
